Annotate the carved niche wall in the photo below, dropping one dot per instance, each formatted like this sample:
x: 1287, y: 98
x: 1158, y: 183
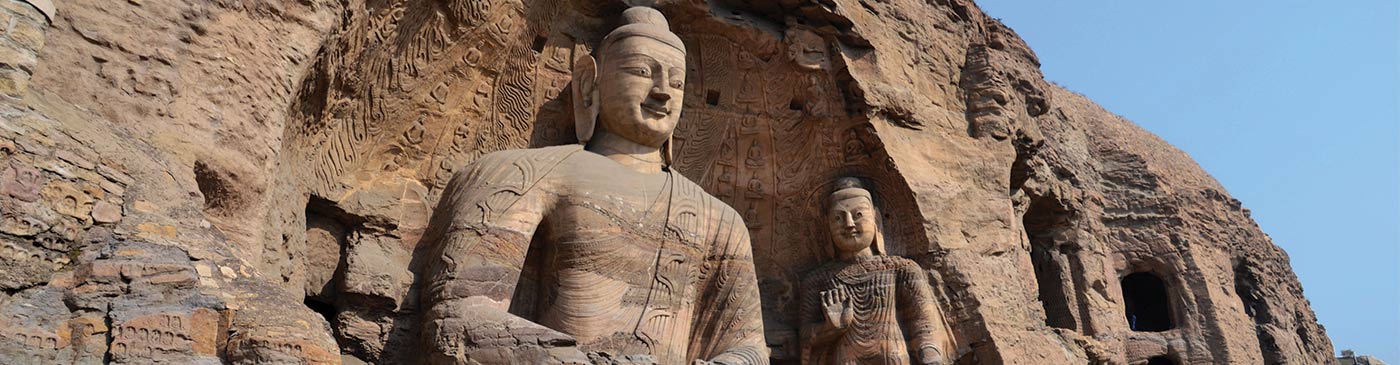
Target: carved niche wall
x: 408, y: 91
x: 767, y: 129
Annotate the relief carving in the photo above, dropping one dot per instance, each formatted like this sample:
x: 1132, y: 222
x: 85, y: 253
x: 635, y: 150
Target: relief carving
x: 20, y: 181
x: 807, y: 49
x: 1005, y: 104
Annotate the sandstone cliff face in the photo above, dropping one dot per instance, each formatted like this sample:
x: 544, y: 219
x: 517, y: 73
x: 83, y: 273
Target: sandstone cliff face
x: 246, y: 182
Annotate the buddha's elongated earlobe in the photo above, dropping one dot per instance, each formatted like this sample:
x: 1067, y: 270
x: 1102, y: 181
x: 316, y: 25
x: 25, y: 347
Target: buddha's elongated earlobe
x: 667, y: 157
x: 585, y: 93
x: 877, y: 246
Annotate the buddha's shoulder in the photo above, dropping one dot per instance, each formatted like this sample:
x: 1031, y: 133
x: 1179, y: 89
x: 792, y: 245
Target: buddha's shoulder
x: 896, y: 260
x: 519, y: 167
x: 528, y: 157
x: 896, y: 263
x: 879, y: 263
x: 687, y: 190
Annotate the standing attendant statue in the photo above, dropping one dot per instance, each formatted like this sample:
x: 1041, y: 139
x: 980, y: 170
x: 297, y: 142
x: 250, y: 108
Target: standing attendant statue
x: 864, y: 307
x: 594, y: 253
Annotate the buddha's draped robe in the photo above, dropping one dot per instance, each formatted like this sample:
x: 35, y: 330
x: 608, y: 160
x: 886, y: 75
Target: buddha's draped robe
x: 893, y: 308
x: 625, y: 263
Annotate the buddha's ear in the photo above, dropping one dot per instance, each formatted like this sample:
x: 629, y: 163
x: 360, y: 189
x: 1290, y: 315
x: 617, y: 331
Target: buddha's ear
x: 585, y: 97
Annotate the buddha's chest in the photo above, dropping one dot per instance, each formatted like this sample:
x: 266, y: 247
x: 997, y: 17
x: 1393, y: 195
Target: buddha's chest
x: 594, y: 236
x: 649, y: 213
x: 619, y: 274
x: 645, y: 232
x: 868, y: 288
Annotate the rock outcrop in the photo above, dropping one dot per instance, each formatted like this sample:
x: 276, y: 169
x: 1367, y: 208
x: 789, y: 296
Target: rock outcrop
x: 249, y: 181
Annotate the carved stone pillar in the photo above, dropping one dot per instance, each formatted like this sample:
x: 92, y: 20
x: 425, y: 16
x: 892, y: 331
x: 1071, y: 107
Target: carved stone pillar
x: 23, y: 24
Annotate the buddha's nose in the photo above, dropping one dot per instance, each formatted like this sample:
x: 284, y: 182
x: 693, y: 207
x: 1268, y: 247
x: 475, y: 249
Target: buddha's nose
x: 659, y: 95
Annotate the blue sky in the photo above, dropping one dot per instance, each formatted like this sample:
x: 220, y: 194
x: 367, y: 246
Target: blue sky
x: 1293, y: 105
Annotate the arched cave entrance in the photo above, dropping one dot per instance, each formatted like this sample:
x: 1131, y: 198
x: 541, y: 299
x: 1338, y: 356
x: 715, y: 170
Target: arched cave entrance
x: 1148, y: 308
x: 1161, y: 360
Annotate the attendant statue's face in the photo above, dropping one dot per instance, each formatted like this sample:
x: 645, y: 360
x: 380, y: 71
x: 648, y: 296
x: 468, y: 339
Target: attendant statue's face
x: 641, y: 85
x: 852, y: 224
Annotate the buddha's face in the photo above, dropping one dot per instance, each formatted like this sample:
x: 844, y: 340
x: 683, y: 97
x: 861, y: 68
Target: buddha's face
x: 641, y: 85
x: 852, y: 224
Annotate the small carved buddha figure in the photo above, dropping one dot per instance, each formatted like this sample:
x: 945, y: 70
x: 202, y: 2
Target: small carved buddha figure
x: 580, y: 253
x: 864, y: 307
x: 755, y: 158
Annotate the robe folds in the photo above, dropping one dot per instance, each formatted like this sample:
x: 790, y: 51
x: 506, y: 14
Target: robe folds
x: 893, y: 306
x: 622, y: 262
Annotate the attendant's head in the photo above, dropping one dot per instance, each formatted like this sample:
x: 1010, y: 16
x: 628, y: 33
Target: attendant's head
x: 851, y: 217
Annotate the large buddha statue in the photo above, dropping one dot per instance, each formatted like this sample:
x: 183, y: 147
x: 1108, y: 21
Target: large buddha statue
x: 597, y: 252
x: 865, y: 307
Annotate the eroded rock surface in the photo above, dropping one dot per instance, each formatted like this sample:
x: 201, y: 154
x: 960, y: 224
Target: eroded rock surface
x: 249, y: 182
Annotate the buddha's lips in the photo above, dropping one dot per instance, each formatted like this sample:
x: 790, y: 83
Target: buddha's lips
x: 660, y: 110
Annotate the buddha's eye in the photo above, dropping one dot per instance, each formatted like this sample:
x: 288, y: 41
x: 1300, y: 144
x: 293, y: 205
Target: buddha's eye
x: 639, y: 70
x: 677, y: 76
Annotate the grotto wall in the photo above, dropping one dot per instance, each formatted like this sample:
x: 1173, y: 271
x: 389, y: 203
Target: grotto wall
x: 250, y: 181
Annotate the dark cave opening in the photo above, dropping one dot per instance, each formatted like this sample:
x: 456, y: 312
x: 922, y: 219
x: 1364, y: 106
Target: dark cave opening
x: 325, y: 242
x: 1049, y: 276
x: 538, y: 44
x: 328, y: 231
x: 326, y: 310
x: 1052, y: 269
x: 1148, y: 307
x: 1251, y: 295
x: 328, y: 228
x: 1247, y: 288
x: 1161, y: 360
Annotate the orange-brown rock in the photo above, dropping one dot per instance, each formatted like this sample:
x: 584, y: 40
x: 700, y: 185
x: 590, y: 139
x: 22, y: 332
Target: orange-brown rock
x: 267, y: 173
